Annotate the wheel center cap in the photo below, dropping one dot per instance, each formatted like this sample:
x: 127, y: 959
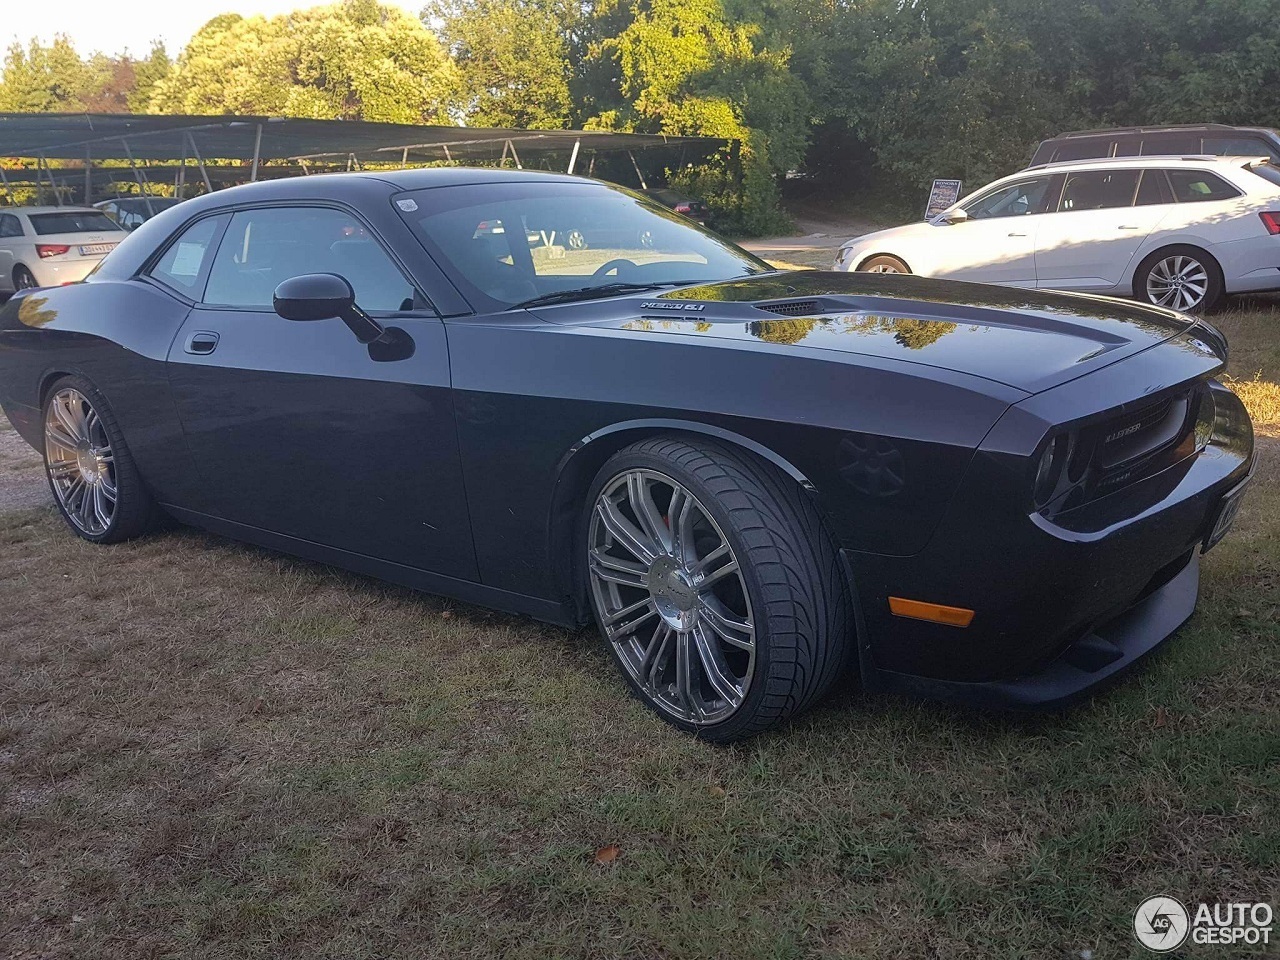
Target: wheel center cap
x: 673, y: 594
x: 89, y: 465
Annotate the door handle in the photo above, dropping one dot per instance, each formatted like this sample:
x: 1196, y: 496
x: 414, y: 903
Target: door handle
x: 1017, y: 234
x: 1127, y: 227
x: 202, y: 342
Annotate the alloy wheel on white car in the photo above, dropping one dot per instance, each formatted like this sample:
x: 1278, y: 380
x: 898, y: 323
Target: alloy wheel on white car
x: 1179, y: 282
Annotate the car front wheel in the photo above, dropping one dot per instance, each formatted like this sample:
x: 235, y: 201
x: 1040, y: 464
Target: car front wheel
x: 883, y: 264
x: 716, y: 586
x: 90, y: 470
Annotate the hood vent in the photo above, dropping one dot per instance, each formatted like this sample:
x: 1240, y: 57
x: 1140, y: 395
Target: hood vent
x: 793, y: 308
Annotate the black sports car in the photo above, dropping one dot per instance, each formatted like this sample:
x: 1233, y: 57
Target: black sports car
x: 752, y: 479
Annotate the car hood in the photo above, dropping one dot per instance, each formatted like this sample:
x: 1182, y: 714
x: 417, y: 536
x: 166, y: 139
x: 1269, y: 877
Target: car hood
x: 1027, y: 339
x: 907, y: 231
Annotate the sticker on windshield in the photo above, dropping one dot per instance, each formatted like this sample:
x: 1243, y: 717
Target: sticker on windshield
x: 408, y: 206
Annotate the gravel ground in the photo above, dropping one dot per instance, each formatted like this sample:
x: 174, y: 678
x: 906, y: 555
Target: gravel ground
x: 22, y: 483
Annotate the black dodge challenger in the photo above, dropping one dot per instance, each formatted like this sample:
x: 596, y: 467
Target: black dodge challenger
x: 751, y: 479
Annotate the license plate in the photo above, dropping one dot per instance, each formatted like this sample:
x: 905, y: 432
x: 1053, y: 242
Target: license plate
x: 1228, y: 507
x: 92, y: 248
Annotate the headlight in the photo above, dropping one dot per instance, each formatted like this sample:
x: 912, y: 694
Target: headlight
x: 843, y: 257
x: 1053, y: 462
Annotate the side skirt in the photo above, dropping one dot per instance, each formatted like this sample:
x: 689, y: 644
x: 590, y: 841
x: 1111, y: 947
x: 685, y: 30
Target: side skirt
x: 548, y: 611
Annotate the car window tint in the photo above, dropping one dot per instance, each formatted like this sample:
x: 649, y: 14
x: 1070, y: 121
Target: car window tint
x: 1012, y: 200
x: 1192, y: 186
x: 263, y: 248
x: 1238, y: 147
x: 10, y: 226
x: 76, y: 221
x: 1083, y: 148
x: 1170, y: 144
x: 181, y: 265
x: 530, y: 239
x: 1153, y: 189
x: 1099, y: 190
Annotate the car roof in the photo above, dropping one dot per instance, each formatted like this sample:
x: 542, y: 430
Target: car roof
x: 1171, y: 128
x: 1154, y: 160
x: 30, y: 210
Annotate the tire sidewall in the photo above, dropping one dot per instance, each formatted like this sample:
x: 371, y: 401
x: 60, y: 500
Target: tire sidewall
x: 1213, y: 295
x: 731, y: 727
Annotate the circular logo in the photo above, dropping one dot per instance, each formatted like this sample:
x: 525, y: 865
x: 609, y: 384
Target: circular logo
x: 1161, y: 924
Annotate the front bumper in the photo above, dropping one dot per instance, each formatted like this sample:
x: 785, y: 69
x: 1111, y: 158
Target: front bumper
x: 1059, y: 609
x: 1100, y: 656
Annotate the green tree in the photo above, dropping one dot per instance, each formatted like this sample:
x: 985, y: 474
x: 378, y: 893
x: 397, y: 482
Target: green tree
x: 358, y: 60
x: 40, y: 79
x: 513, y: 58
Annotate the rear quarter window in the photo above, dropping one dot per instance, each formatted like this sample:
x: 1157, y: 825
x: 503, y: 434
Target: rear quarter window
x: 1195, y: 186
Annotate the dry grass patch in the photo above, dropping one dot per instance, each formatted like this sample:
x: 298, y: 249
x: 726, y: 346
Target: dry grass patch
x: 208, y: 750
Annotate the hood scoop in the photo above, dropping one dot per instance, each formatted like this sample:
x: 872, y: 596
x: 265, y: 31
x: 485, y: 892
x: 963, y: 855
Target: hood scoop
x: 792, y: 308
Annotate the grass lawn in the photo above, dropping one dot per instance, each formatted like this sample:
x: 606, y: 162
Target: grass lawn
x: 213, y: 751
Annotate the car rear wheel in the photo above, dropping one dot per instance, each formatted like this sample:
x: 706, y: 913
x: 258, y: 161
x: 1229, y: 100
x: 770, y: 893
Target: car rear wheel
x: 90, y: 470
x: 883, y: 264
x: 716, y: 586
x: 23, y: 279
x: 1181, y: 278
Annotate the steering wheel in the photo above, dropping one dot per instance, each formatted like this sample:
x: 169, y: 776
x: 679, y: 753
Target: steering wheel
x: 618, y: 264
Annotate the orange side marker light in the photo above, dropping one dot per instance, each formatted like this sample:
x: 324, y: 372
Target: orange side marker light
x: 933, y: 612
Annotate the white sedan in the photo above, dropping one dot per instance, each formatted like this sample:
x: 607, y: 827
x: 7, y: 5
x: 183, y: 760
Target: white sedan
x: 1178, y: 232
x: 50, y: 246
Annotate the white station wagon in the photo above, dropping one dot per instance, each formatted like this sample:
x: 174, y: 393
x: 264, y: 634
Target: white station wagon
x: 50, y: 246
x: 1178, y: 232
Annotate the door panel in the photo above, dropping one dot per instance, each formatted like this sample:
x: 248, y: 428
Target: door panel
x: 294, y: 429
x: 989, y: 251
x: 1089, y: 242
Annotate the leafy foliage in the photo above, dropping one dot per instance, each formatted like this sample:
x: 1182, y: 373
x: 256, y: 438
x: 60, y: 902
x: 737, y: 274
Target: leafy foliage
x: 358, y: 60
x: 854, y: 93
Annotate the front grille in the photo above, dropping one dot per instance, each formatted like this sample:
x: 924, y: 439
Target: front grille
x: 1141, y: 433
x: 793, y: 308
x: 1126, y: 448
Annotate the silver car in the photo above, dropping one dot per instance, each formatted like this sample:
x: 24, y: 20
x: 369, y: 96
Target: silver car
x: 50, y: 246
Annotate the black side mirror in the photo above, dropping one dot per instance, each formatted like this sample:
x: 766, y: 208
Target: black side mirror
x: 324, y: 296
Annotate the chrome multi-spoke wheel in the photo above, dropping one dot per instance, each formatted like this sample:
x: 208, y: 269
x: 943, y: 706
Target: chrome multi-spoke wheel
x: 80, y: 460
x: 670, y: 595
x: 1178, y: 281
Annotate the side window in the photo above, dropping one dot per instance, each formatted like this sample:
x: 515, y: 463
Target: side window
x: 1013, y: 200
x: 183, y: 263
x: 263, y: 248
x: 10, y: 226
x: 1153, y: 189
x: 1171, y: 144
x: 1238, y: 147
x: 1099, y: 190
x: 1083, y: 148
x: 1192, y: 186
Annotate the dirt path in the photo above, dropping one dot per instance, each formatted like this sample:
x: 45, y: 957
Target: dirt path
x: 814, y: 244
x: 22, y: 483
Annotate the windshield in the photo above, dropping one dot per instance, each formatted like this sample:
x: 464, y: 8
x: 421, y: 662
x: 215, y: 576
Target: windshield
x: 528, y: 240
x: 77, y: 221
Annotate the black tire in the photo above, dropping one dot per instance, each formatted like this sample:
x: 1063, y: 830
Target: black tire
x: 790, y: 566
x: 883, y: 263
x: 23, y: 279
x: 135, y: 511
x: 1214, y: 287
